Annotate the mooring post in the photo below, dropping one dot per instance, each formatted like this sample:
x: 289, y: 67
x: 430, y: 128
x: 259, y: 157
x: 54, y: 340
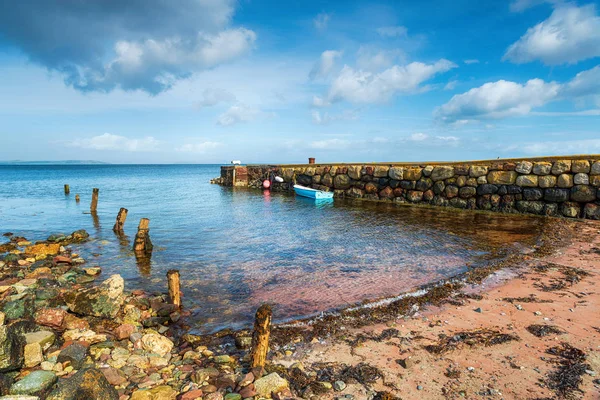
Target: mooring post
x: 142, y: 242
x: 260, y: 336
x: 94, y: 205
x: 174, y: 287
x: 311, y: 160
x: 67, y: 189
x: 77, y: 198
x: 121, y: 217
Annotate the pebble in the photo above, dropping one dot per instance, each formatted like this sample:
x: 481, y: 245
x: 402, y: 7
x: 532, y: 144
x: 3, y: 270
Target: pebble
x: 538, y: 313
x: 478, y: 310
x: 518, y: 306
x: 339, y: 385
x: 419, y: 387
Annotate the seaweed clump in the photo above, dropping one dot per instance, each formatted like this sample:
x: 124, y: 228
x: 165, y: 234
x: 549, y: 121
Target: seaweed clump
x: 531, y: 299
x: 479, y: 337
x: 362, y: 373
x: 544, y: 330
x: 566, y: 378
x: 570, y: 277
x: 385, y: 396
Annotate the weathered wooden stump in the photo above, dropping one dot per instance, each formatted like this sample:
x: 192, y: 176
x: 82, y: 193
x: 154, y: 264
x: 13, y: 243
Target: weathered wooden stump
x: 142, y: 243
x: 120, y: 222
x: 174, y: 287
x: 67, y: 189
x: 260, y: 336
x: 94, y: 205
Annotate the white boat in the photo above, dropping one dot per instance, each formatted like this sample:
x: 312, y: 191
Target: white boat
x: 312, y: 193
x: 236, y: 162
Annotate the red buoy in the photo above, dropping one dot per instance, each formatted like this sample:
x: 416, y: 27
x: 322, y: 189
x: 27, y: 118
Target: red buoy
x: 266, y: 184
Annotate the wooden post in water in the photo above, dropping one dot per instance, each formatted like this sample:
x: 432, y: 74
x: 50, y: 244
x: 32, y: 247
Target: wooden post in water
x: 77, y: 198
x: 142, y: 242
x: 174, y: 287
x: 121, y: 217
x: 94, y: 205
x: 67, y: 189
x: 260, y: 336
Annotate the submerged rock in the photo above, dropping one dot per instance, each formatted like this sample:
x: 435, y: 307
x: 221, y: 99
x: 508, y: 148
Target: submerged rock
x: 36, y: 383
x: 155, y: 343
x: 86, y: 384
x: 157, y: 393
x: 101, y: 301
x: 272, y: 383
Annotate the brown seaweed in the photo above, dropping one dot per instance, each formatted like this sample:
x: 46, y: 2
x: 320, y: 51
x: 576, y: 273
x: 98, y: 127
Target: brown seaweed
x: 479, y: 337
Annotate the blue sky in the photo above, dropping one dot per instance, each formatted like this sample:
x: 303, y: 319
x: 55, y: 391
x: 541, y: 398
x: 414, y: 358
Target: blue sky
x: 208, y: 81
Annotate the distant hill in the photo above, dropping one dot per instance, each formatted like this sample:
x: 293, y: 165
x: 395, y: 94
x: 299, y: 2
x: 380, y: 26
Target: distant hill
x: 62, y: 162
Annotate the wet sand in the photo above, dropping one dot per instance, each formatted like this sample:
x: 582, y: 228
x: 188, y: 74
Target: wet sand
x: 517, y: 369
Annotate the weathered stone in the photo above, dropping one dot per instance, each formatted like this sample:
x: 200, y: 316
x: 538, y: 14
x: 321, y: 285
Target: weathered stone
x: 583, y: 193
x: 547, y: 181
x: 502, y: 177
x: 477, y: 170
x: 551, y: 209
x: 43, y: 249
x: 427, y: 171
x: 524, y: 167
x: 103, y: 300
x: 595, y: 169
x: 396, y: 173
x: 542, y: 168
x: 386, y: 193
x: 467, y: 191
x: 32, y: 355
x: 36, y: 383
x: 371, y: 188
x: 442, y: 172
x: 580, y: 166
x: 413, y: 173
x: 158, y: 393
x: 195, y: 395
x: 457, y: 202
x: 303, y: 180
x: 270, y: 384
x: 44, y: 338
x: 354, y: 171
x: 310, y: 171
x: 341, y: 182
x: 531, y: 207
x: 87, y: 383
x: 533, y: 194
x: 75, y: 354
x: 565, y: 181
x: 451, y: 191
x: 414, y: 196
x: 461, y: 180
x: 592, y: 211
x: 156, y: 343
x: 561, y: 166
x: 12, y: 344
x: 327, y: 180
x: 570, y: 209
x: 581, y: 179
x: 487, y: 189
x: 354, y: 193
x: 527, y: 180
x: 380, y: 171
x: 316, y: 179
x: 423, y: 184
x: 556, y: 195
x: 438, y: 187
x: 428, y: 195
x: 482, y: 180
x: 407, y: 185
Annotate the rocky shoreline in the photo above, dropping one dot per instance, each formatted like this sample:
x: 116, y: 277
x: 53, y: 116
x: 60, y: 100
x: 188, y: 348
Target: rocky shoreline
x: 62, y: 336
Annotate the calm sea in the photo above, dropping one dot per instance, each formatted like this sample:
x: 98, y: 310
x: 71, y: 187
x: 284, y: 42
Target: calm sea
x: 239, y: 248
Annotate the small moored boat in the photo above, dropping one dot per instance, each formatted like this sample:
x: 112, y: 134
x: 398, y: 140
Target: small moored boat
x: 312, y: 193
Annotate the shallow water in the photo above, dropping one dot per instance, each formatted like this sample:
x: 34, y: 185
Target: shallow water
x: 238, y: 248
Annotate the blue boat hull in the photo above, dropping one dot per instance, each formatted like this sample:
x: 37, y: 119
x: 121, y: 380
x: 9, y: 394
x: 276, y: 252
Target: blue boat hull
x: 312, y: 193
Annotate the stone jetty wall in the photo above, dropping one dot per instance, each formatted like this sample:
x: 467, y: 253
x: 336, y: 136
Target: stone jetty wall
x: 554, y: 186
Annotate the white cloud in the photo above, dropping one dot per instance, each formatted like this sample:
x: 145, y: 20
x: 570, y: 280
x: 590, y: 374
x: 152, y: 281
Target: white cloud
x: 498, y: 99
x: 448, y: 138
x: 326, y: 118
x: 143, y: 45
x: 330, y: 144
x: 201, y: 147
x: 471, y: 61
x: 324, y: 66
x: 392, y: 31
x: 571, y: 34
x: 372, y: 60
x: 237, y: 114
x: 505, y: 98
x: 321, y: 21
x: 212, y: 97
x: 522, y: 5
x: 451, y: 85
x: 589, y: 146
x: 109, y: 141
x: 320, y: 102
x: 360, y: 86
x: 418, y: 137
